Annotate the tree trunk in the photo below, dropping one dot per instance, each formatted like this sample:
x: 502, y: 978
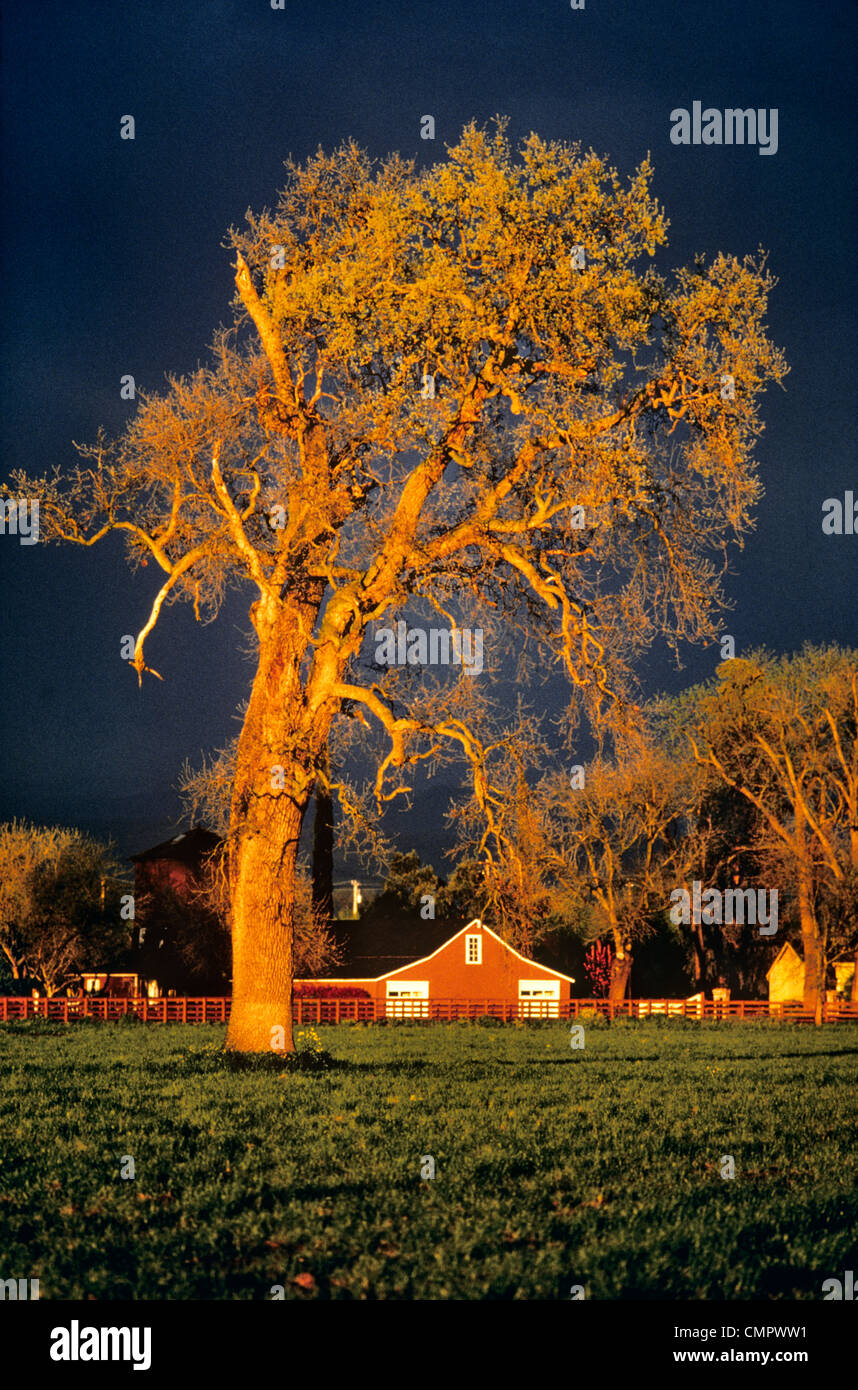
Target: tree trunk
x: 812, y: 947
x: 621, y: 969
x: 281, y: 753
x: 323, y: 856
x: 698, y: 947
x: 262, y: 912
x: 275, y: 775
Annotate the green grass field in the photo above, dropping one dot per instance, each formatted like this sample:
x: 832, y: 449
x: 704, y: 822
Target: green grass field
x: 555, y: 1167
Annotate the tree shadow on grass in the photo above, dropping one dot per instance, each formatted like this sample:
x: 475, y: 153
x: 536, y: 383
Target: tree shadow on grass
x: 588, y: 1055
x: 215, y: 1061
x: 401, y: 1066
x: 281, y: 1064
x: 778, y: 1056
x: 378, y: 1191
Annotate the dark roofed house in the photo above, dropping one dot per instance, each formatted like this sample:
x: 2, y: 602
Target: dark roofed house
x: 176, y: 861
x: 172, y: 925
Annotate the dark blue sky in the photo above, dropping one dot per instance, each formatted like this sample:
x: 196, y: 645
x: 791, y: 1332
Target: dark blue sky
x: 114, y: 263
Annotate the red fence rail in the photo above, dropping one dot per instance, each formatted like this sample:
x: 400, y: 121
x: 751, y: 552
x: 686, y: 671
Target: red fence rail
x: 216, y: 1010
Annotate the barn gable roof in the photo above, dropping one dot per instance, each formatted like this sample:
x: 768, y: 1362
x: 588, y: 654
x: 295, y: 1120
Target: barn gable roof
x: 373, y: 947
x: 188, y: 847
x: 785, y: 949
x: 384, y: 947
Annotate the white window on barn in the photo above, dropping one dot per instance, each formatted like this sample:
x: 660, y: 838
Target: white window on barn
x: 538, y: 998
x: 473, y: 950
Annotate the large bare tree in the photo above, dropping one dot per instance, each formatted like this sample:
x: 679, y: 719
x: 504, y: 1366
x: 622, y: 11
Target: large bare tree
x: 465, y: 388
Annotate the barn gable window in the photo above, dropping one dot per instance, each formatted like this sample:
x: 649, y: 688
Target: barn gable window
x: 473, y: 950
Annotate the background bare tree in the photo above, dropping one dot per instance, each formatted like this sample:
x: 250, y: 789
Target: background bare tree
x: 782, y: 734
x: 55, y: 917
x: 620, y: 840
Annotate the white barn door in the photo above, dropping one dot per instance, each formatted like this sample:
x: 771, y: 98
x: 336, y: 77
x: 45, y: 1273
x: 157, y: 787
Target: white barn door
x: 539, y: 998
x: 407, y: 999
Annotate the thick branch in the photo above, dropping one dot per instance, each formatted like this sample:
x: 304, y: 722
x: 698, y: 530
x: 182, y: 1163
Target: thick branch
x: 234, y: 521
x: 176, y: 573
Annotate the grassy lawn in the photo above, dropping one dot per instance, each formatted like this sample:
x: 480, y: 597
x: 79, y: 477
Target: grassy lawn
x: 599, y: 1167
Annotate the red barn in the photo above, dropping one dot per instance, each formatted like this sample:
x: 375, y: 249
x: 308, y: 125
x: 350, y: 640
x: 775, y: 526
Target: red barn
x: 407, y: 966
